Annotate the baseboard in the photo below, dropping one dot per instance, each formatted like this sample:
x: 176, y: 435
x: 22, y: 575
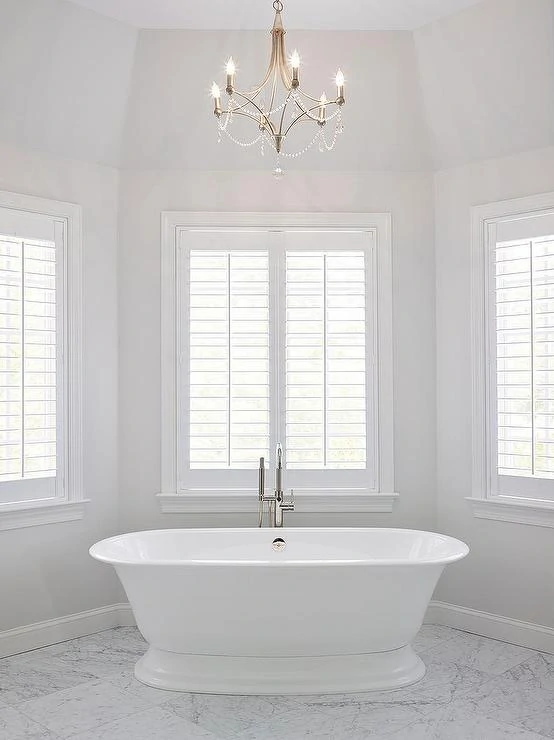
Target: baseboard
x: 514, y: 631
x: 41, y: 634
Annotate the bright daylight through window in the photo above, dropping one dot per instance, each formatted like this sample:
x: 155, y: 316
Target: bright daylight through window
x: 525, y: 357
x: 323, y: 346
x: 28, y: 359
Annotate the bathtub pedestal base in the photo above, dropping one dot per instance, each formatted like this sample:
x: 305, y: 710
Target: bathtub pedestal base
x: 331, y: 674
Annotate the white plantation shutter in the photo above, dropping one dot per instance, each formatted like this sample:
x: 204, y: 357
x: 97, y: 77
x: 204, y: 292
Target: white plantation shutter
x: 522, y: 358
x: 229, y: 358
x: 29, y: 342
x: 325, y: 360
x: 276, y: 338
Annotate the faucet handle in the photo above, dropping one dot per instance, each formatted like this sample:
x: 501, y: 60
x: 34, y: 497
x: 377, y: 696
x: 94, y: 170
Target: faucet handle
x: 288, y: 505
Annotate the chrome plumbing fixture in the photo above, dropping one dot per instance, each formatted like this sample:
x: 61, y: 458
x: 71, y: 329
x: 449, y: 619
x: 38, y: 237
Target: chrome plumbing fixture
x: 277, y: 505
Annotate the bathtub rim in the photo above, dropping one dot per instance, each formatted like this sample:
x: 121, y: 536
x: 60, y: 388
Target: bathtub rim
x: 462, y: 551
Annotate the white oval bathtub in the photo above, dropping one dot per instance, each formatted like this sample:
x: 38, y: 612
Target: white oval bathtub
x: 334, y: 610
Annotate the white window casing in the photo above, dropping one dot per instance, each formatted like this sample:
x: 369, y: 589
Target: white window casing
x: 513, y: 360
x: 266, y: 294
x: 41, y: 327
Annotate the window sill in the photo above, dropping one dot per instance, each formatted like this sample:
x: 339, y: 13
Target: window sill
x: 233, y: 502
x: 34, y: 513
x: 506, y: 509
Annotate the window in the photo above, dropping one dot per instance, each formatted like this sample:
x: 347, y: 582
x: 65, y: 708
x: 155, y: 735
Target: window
x: 39, y: 388
x: 273, y: 337
x: 514, y: 354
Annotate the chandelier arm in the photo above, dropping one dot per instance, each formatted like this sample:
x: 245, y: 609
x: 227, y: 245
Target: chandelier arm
x: 316, y: 100
x: 239, y: 106
x: 272, y: 61
x: 299, y: 117
x: 283, y: 112
x: 282, y: 63
x: 273, y: 92
x: 260, y: 111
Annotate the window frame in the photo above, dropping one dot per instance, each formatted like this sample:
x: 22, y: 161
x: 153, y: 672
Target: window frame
x: 173, y: 500
x: 484, y: 501
x: 69, y: 503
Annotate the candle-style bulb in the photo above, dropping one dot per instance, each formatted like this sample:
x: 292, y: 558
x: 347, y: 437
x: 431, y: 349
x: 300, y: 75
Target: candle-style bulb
x: 339, y: 79
x: 216, y: 92
x: 231, y: 67
x: 322, y: 103
x: 295, y: 64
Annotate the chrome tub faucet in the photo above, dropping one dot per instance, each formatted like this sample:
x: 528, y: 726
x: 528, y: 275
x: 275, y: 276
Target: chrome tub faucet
x: 277, y: 505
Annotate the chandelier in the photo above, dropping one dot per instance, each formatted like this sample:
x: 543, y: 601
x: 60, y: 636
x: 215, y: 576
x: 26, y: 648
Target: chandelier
x: 276, y: 113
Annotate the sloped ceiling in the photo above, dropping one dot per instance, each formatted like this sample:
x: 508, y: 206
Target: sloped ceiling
x: 347, y: 15
x: 475, y: 85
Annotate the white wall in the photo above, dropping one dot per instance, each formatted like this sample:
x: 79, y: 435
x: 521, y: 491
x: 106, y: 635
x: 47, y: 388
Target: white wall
x: 47, y: 571
x: 145, y: 194
x: 510, y: 568
x: 487, y: 76
x: 64, y: 77
x: 64, y: 74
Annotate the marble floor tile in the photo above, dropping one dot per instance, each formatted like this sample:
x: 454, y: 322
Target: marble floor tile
x: 152, y: 724
x: 481, y: 653
x: 443, y: 683
x: 223, y: 714
x: 16, y: 726
x: 431, y: 635
x: 100, y: 655
x: 448, y: 723
x: 84, y: 689
x: 523, y: 696
x: 376, y: 719
x: 126, y: 681
x: 23, y: 678
x: 306, y: 722
x: 82, y: 708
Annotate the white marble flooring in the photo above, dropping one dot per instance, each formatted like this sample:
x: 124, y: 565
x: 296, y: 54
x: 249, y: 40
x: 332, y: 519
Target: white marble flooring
x: 475, y: 689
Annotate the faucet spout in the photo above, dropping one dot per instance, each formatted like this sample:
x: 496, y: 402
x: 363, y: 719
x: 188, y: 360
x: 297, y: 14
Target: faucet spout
x: 276, y: 502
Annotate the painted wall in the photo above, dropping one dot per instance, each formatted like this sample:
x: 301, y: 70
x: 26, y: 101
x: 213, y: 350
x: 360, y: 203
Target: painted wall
x: 510, y: 569
x: 64, y: 77
x: 46, y: 570
x: 145, y: 194
x: 64, y: 74
x: 487, y: 76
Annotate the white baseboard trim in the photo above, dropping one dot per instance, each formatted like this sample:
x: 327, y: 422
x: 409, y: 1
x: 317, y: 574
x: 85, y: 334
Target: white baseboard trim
x: 41, y: 634
x: 514, y: 631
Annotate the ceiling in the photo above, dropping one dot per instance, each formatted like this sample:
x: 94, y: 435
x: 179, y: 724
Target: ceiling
x: 258, y: 14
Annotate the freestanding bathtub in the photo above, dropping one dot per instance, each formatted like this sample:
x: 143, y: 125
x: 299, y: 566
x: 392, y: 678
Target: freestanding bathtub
x: 233, y: 611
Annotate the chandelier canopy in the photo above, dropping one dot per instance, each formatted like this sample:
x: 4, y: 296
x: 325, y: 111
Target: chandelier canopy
x: 276, y: 112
